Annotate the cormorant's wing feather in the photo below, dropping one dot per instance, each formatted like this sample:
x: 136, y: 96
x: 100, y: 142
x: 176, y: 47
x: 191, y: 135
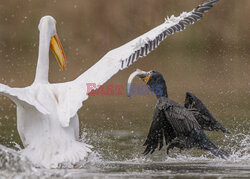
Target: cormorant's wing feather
x: 160, y: 127
x: 170, y: 120
x: 122, y: 57
x: 155, y: 135
x: 202, y: 114
x: 180, y: 118
x: 22, y: 96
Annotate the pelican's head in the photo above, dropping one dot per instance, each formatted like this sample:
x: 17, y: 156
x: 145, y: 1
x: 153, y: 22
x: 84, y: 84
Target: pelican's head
x: 47, y: 25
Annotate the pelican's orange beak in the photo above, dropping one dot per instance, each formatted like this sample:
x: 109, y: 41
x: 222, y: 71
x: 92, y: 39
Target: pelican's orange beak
x: 57, y: 49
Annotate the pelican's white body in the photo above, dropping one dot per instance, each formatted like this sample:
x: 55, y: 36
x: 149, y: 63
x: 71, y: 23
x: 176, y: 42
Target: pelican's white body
x: 48, y: 129
x: 44, y: 139
x: 47, y: 143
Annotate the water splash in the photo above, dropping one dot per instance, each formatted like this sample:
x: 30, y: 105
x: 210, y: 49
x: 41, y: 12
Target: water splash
x: 240, y: 149
x: 121, y: 151
x: 11, y: 162
x: 116, y: 146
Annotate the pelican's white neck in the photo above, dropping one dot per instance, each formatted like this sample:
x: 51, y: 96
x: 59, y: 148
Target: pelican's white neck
x: 42, y: 69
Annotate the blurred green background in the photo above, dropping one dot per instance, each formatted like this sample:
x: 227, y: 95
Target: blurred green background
x: 209, y: 58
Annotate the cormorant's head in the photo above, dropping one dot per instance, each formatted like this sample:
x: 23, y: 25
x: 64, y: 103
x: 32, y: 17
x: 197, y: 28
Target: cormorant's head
x: 153, y: 79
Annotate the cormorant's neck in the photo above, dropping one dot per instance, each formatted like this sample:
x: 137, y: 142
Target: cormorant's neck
x: 42, y: 69
x: 159, y: 88
x: 162, y: 91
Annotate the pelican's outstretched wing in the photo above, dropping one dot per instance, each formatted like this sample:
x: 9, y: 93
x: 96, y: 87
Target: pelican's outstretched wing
x: 22, y: 96
x: 122, y: 57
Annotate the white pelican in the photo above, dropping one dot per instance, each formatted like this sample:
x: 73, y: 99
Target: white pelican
x: 47, y: 118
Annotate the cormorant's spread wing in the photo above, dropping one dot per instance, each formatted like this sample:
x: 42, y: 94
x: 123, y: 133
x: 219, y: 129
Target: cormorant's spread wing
x: 124, y: 56
x: 202, y: 114
x: 170, y: 120
x: 180, y: 118
x: 159, y: 128
x: 22, y: 96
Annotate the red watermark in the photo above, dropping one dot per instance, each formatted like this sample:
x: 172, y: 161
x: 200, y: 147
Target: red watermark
x: 94, y: 89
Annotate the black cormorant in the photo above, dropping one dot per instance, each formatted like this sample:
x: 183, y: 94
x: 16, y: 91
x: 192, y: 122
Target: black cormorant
x: 181, y: 126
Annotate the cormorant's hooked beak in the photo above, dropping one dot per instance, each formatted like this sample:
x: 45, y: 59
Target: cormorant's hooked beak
x: 144, y: 76
x: 57, y: 49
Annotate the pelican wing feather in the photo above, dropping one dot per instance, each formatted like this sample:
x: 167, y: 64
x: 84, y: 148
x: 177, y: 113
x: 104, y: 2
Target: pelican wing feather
x: 23, y: 96
x: 125, y: 55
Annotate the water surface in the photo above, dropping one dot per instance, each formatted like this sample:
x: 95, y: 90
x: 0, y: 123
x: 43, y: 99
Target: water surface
x: 117, y: 154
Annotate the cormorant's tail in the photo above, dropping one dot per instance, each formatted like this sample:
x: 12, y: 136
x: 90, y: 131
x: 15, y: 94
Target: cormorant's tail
x: 219, y: 153
x: 208, y: 145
